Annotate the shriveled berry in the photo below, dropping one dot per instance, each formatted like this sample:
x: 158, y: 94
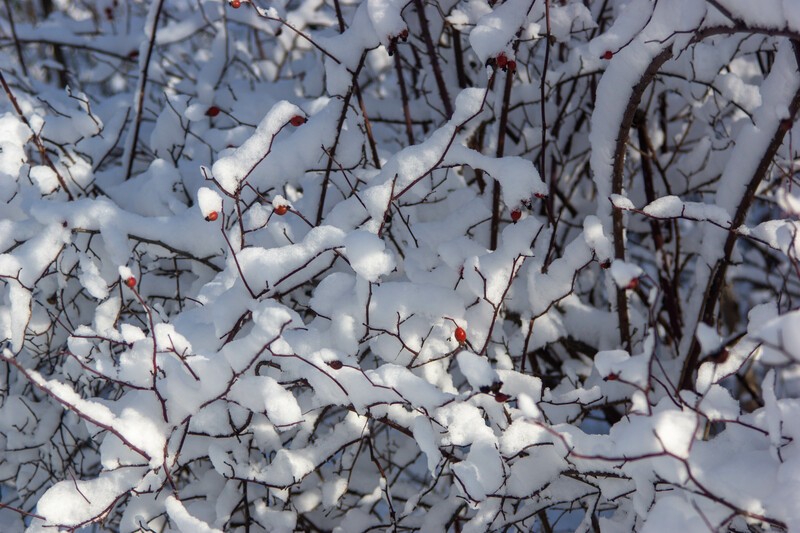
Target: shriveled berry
x: 721, y: 356
x: 336, y: 365
x: 512, y: 66
x: 501, y: 397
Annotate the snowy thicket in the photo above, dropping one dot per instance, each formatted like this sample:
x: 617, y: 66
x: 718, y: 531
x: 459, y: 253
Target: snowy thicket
x: 386, y: 265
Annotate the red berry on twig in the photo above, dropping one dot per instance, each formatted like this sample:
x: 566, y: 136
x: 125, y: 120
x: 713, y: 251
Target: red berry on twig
x: 502, y: 60
x: 516, y: 214
x: 501, y: 397
x: 130, y: 282
x: 607, y: 55
x: 212, y: 111
x: 632, y: 284
x: 336, y: 365
x: 512, y: 66
x: 235, y: 4
x: 281, y: 210
x: 461, y: 335
x: 212, y: 216
x: 298, y: 120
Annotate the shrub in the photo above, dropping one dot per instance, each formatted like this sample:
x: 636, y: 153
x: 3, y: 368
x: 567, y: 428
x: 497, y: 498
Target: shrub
x: 387, y: 265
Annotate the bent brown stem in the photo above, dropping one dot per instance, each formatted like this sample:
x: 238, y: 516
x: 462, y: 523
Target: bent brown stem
x: 717, y: 280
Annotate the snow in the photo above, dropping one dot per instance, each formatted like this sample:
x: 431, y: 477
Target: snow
x: 477, y: 370
x: 779, y: 339
x: 367, y: 255
x: 624, y: 273
x: 295, y: 365
x: 183, y: 520
x: 386, y: 18
x: 208, y: 201
x: 497, y: 28
x: 426, y: 438
x: 673, y: 207
x: 66, y: 502
x: 231, y: 171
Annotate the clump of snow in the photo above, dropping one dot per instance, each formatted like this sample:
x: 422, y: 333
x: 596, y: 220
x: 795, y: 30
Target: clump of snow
x: 625, y: 273
x: 367, y: 255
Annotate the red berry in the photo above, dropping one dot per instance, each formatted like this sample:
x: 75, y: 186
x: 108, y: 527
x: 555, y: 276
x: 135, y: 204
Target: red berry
x: 516, y: 214
x: 501, y: 397
x: 212, y: 216
x: 605, y: 265
x: 235, y: 4
x: 502, y: 60
x: 298, y: 120
x: 612, y: 377
x: 336, y: 365
x: 130, y: 282
x: 632, y: 284
x: 212, y: 111
x: 281, y: 210
x: 461, y: 335
x: 607, y: 55
x: 512, y: 66
x: 403, y: 35
x: 539, y: 195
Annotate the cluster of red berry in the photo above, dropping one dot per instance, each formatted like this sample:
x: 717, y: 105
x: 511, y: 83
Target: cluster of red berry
x: 504, y: 63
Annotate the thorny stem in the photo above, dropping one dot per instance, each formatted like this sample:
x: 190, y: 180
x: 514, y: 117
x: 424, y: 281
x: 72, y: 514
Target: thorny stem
x: 669, y: 289
x: 717, y: 280
x: 332, y: 150
x: 501, y: 143
x: 404, y: 97
x: 36, y: 139
x: 367, y: 125
x: 139, y: 104
x: 17, y: 44
x: 434, y: 58
x: 616, y: 184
